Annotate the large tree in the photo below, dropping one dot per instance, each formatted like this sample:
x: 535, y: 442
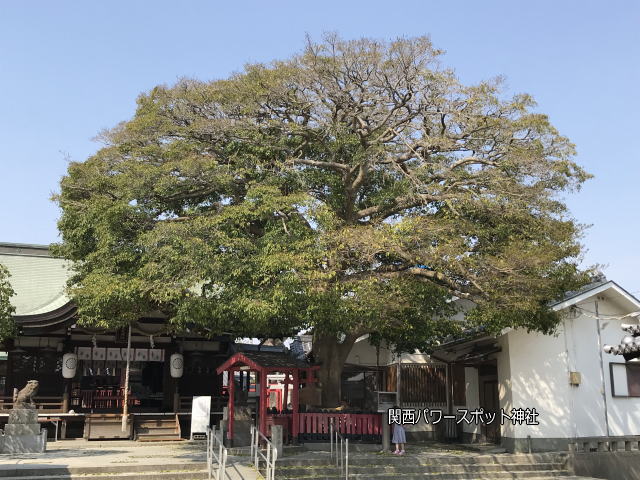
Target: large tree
x: 7, y: 324
x: 355, y: 188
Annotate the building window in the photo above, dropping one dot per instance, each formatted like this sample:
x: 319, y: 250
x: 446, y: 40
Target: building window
x: 633, y: 380
x: 625, y: 379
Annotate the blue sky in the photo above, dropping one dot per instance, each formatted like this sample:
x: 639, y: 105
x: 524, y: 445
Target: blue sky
x: 69, y: 69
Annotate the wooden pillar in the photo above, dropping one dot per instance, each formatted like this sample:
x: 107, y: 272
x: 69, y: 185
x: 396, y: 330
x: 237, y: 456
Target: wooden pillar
x: 232, y: 389
x: 175, y: 390
x: 263, y: 402
x: 294, y: 403
x: 449, y: 389
x: 66, y: 395
x: 176, y: 402
x: 399, y: 383
x: 125, y: 407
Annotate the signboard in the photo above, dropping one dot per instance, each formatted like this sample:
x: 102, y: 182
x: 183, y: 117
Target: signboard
x: 141, y: 355
x: 200, y: 415
x: 156, y: 355
x: 99, y: 353
x: 84, y: 353
x: 131, y: 354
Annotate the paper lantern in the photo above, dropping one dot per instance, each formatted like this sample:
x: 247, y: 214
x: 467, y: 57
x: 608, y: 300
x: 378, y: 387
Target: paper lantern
x: 69, y: 365
x: 176, y: 362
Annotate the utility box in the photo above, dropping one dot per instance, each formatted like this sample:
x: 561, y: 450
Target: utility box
x: 575, y: 378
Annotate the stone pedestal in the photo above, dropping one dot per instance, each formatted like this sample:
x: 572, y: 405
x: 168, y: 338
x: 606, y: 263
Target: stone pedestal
x: 386, y: 436
x: 23, y: 434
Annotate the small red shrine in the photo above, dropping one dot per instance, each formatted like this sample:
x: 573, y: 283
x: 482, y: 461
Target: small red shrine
x: 266, y: 363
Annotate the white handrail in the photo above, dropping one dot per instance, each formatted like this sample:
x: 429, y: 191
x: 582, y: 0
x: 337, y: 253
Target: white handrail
x: 341, y: 450
x: 216, y: 453
x: 257, y: 454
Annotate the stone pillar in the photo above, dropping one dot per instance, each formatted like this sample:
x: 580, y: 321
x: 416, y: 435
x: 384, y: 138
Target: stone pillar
x: 386, y: 438
x: 276, y: 439
x: 223, y: 425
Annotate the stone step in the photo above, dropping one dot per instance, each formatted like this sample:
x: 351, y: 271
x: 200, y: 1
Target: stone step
x: 297, y: 472
x: 289, y: 451
x: 161, y: 428
x: 40, y: 472
x: 321, y: 458
x: 157, y: 429
x: 161, y: 475
x: 159, y: 438
x: 529, y: 474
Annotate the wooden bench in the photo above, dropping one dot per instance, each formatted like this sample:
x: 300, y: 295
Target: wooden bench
x: 56, y: 422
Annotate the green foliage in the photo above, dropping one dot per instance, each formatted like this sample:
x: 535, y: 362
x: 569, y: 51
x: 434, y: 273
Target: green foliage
x: 355, y: 188
x: 7, y: 325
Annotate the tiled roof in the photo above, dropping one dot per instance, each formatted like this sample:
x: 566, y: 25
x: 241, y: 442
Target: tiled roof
x: 275, y: 359
x: 597, y: 282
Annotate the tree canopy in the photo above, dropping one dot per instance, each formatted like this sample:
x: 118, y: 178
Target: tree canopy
x: 7, y: 325
x: 357, y: 187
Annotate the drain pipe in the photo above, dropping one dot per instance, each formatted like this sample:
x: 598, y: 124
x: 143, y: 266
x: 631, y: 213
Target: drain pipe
x: 604, y: 387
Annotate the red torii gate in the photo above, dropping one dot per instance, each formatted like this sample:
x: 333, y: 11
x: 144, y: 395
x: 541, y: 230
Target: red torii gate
x: 265, y: 363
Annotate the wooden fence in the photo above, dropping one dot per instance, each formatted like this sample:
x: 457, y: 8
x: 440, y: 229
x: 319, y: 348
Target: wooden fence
x: 421, y: 385
x: 358, y: 426
x: 43, y: 404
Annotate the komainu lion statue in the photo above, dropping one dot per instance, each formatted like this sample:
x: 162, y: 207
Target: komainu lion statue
x: 24, y: 398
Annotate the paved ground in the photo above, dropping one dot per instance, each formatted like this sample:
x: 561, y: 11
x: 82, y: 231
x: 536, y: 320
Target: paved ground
x: 82, y: 454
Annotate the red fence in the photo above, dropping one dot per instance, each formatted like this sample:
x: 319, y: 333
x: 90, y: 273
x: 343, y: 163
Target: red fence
x: 363, y: 425
x: 103, y: 398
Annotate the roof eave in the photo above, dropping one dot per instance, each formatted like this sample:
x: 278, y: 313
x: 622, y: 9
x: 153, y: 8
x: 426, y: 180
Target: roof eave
x: 596, y: 290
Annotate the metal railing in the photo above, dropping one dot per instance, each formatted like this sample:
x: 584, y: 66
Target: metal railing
x: 339, y: 450
x: 216, y: 454
x: 269, y: 454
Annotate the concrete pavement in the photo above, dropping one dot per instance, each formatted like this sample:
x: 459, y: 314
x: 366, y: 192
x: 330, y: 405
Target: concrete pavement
x: 79, y: 457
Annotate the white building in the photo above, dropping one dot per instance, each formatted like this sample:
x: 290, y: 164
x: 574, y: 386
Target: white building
x: 578, y: 391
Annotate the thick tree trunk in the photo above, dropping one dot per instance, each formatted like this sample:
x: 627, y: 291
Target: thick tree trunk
x: 331, y: 354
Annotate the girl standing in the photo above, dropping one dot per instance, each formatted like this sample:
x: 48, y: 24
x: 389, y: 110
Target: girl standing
x: 399, y: 438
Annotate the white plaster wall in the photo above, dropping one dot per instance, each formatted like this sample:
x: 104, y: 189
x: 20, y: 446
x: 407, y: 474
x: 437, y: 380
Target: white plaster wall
x: 363, y: 353
x: 587, y: 402
x: 540, y: 380
x: 588, y: 412
x: 623, y: 412
x: 539, y: 374
x: 415, y: 358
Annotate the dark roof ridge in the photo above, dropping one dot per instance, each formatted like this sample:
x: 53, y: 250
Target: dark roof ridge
x: 27, y: 249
